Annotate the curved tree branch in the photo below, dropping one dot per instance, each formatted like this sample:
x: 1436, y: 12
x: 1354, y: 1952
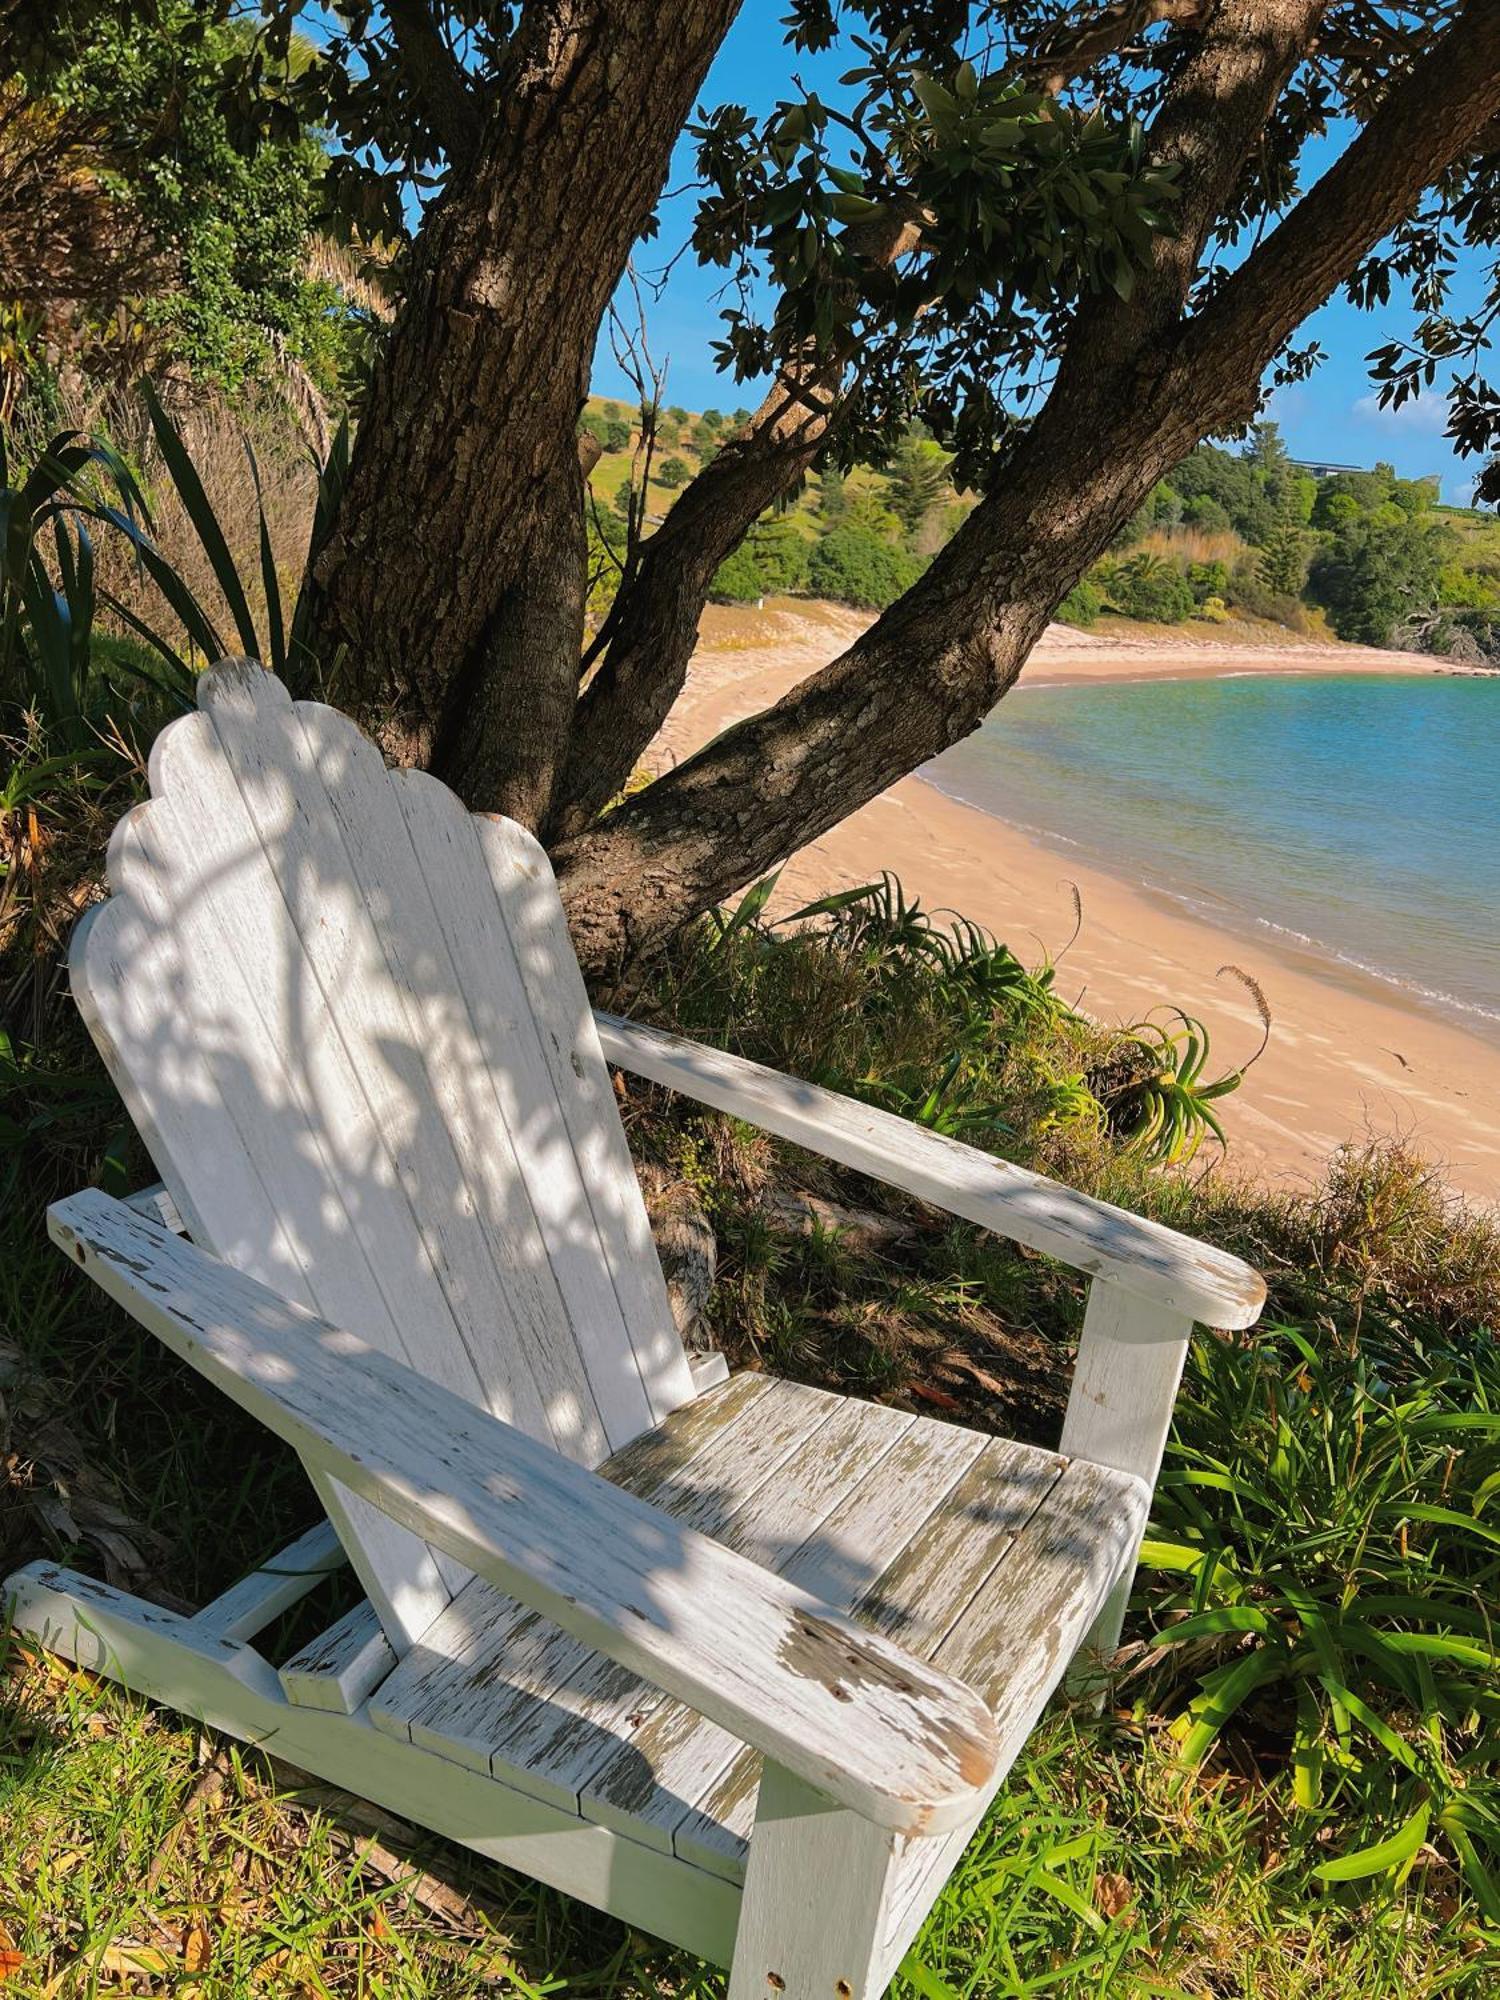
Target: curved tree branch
x: 1138, y: 387
x: 655, y: 627
x: 1439, y: 112
x: 1071, y: 47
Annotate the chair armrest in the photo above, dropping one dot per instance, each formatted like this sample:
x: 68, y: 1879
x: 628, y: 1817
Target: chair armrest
x: 886, y: 1735
x: 1105, y: 1242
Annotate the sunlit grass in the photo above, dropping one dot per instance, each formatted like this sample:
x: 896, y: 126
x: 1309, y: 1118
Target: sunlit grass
x: 139, y: 1855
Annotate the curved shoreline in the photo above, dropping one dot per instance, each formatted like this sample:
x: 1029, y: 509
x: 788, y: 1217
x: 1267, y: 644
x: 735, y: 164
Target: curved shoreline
x: 1350, y: 1057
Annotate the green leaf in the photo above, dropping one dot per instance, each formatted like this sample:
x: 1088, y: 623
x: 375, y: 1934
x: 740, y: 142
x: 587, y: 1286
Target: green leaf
x: 1383, y: 1855
x: 1479, y: 1878
x: 1443, y: 1517
x: 1229, y: 1618
x: 828, y: 906
x: 750, y: 905
x: 927, y: 1982
x: 270, y: 582
x: 205, y: 522
x: 1225, y: 1693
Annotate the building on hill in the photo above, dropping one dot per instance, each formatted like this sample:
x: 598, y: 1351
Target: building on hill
x: 1325, y: 468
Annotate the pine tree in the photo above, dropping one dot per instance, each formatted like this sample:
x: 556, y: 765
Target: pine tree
x: 1283, y: 559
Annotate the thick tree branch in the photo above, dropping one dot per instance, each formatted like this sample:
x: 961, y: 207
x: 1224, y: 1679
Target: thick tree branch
x: 1430, y: 119
x: 448, y: 100
x: 1071, y: 47
x: 1129, y: 403
x: 655, y: 625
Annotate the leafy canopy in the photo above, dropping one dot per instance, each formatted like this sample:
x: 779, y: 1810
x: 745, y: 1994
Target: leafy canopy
x: 926, y: 230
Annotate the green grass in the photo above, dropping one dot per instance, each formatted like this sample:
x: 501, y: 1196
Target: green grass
x: 140, y: 1855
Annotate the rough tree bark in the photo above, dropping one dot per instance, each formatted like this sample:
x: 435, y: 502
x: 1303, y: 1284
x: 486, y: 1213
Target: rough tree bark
x: 448, y: 603
x: 1139, y: 385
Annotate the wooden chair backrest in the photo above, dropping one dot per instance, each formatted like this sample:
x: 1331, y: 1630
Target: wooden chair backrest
x: 347, y: 1020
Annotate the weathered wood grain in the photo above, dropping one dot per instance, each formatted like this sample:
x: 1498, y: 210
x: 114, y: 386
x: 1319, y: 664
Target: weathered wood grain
x: 847, y: 1711
x: 249, y: 1606
x: 1130, y: 1361
x: 491, y: 1667
x: 816, y: 1894
x: 343, y: 1015
x: 930, y: 1570
x: 690, y: 1783
x: 340, y: 1669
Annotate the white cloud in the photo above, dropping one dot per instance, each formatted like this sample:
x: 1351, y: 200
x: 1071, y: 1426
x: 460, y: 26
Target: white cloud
x: 1425, y: 416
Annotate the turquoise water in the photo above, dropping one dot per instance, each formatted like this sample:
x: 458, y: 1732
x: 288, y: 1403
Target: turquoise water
x: 1358, y: 816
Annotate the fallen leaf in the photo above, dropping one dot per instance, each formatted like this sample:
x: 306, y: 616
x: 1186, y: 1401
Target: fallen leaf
x: 129, y: 1961
x: 11, y: 1962
x: 1114, y: 1895
x: 938, y: 1397
x: 197, y: 1948
x: 985, y: 1380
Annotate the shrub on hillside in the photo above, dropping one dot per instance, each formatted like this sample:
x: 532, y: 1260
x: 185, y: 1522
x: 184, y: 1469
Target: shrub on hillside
x: 1247, y: 592
x: 1082, y: 604
x: 1148, y: 588
x: 771, y: 559
x: 1207, y: 579
x: 612, y: 433
x: 672, y: 472
x: 1205, y: 512
x: 854, y: 566
x: 738, y: 580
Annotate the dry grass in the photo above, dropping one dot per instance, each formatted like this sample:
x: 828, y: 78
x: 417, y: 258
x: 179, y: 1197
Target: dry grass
x: 217, y: 437
x: 1196, y: 545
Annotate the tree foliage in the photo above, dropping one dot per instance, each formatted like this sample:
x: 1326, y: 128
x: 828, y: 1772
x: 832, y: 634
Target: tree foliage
x: 856, y: 566
x: 1375, y: 573
x: 229, y: 208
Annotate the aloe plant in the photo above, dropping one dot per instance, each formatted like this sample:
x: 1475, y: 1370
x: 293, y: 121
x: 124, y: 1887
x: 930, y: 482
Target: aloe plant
x: 1169, y: 1113
x: 52, y: 665
x: 49, y: 596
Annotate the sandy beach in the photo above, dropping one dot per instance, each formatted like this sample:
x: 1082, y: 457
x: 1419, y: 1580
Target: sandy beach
x: 1349, y: 1056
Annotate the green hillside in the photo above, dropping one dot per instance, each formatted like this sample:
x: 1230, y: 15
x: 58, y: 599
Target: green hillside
x: 1240, y: 539
x: 859, y: 538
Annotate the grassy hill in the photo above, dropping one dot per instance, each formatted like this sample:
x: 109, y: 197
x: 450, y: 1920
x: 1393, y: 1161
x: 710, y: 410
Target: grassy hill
x: 1235, y: 546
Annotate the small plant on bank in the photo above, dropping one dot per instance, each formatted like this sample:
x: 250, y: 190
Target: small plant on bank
x: 1325, y: 1580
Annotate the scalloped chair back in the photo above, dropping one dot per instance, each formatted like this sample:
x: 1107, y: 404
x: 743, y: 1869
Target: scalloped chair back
x: 346, y: 1017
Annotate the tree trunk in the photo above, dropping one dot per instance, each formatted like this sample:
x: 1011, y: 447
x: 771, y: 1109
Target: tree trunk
x: 448, y: 602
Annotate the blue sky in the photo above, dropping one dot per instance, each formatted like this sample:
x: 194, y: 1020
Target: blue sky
x: 1333, y: 416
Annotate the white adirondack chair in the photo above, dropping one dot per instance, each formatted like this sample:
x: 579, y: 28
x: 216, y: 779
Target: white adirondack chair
x: 736, y: 1660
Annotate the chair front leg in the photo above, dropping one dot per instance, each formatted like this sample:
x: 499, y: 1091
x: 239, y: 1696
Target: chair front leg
x: 1130, y: 1362
x: 816, y: 1902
